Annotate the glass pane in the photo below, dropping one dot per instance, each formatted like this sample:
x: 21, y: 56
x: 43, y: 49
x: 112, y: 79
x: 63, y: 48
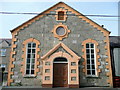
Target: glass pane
x: 87, y: 45
x: 92, y: 45
x: 28, y: 56
x: 87, y: 51
x: 73, y: 78
x: 47, y: 77
x: 34, y: 45
x: 73, y: 71
x: 92, y: 56
x: 88, y: 72
x: 32, y: 66
x: 88, y: 66
x: 47, y: 63
x: 28, y: 66
x: 33, y: 55
x: 29, y: 50
x: 33, y: 60
x: 93, y: 72
x: 47, y: 70
x: 92, y: 51
x: 60, y: 31
x: 33, y: 50
x: 73, y: 63
x: 27, y: 71
x: 28, y: 60
x: 32, y: 71
x: 60, y: 59
x: 29, y: 44
x: 2, y: 65
x: 3, y: 52
x: 92, y: 61
x: 88, y: 56
x: 88, y: 61
x: 93, y: 66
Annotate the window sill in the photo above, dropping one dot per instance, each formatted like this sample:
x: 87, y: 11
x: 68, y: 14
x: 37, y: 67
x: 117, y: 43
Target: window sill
x: 29, y: 76
x: 5, y: 72
x: 92, y: 76
x: 60, y: 20
x: 3, y: 56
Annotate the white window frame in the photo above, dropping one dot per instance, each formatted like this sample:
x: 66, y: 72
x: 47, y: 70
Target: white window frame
x: 2, y: 65
x: 3, y: 52
x: 91, y: 75
x: 30, y: 59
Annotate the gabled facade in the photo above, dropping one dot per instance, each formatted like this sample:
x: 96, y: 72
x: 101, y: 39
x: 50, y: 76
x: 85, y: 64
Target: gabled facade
x: 5, y: 46
x: 60, y: 48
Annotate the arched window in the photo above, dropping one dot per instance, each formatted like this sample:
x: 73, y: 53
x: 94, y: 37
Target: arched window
x: 91, y: 59
x: 91, y: 56
x: 30, y: 58
x: 60, y: 15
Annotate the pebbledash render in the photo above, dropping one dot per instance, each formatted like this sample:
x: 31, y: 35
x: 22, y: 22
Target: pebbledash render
x: 60, y: 47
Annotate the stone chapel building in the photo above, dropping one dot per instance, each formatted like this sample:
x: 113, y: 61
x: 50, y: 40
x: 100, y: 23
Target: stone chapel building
x: 60, y: 47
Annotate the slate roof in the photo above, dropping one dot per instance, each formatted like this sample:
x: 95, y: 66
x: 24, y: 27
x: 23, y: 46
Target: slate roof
x: 7, y: 40
x: 115, y: 41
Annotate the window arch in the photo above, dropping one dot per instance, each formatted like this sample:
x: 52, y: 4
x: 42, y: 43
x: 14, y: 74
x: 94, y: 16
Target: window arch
x: 90, y: 56
x: 30, y: 57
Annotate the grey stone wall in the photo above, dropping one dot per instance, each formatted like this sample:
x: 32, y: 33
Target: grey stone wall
x: 80, y: 31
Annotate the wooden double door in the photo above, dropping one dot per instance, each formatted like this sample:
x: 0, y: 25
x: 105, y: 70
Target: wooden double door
x: 60, y: 75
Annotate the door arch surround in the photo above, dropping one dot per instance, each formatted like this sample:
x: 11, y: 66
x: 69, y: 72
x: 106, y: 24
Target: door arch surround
x: 50, y: 60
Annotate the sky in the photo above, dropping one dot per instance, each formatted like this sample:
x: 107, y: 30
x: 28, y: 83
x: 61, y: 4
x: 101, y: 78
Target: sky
x: 9, y: 22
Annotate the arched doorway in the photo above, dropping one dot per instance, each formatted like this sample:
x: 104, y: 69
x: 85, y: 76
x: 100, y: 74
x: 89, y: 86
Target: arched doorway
x: 64, y: 61
x: 60, y: 72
